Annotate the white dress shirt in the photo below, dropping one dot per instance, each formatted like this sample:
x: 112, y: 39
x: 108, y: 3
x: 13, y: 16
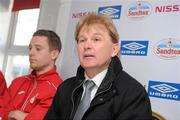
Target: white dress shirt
x: 97, y: 81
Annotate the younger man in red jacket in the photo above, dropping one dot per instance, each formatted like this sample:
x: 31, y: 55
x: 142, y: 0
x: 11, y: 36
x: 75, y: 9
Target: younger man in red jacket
x: 30, y: 96
x: 3, y: 86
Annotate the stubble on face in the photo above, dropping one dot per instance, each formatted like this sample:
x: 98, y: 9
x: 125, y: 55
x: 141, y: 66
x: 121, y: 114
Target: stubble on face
x: 40, y: 55
x: 33, y: 65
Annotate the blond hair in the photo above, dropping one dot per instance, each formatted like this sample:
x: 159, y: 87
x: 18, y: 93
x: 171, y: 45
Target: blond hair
x: 94, y: 18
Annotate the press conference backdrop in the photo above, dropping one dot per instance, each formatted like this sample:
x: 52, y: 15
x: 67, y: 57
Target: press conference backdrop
x: 150, y: 46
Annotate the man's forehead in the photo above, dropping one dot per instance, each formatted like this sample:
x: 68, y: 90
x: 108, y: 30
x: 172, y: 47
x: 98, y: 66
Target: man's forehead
x: 39, y: 39
x: 38, y: 43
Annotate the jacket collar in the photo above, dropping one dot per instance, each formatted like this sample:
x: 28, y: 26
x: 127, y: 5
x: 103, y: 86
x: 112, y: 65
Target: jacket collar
x: 44, y: 76
x: 113, y: 70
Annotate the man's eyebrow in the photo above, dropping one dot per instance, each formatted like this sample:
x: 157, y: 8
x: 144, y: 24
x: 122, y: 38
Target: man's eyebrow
x: 37, y: 45
x: 98, y: 34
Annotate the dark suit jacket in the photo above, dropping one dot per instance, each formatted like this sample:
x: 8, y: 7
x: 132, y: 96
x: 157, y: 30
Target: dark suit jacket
x: 119, y: 97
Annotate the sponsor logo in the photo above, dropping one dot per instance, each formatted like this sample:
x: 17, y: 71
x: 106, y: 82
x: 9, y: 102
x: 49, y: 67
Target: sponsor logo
x: 33, y: 99
x: 164, y: 90
x: 21, y: 92
x: 80, y: 14
x: 167, y: 8
x: 139, y: 10
x: 138, y: 48
x: 113, y: 11
x: 168, y: 48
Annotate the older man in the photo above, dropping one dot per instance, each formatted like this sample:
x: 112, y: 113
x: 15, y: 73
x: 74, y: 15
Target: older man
x: 101, y: 90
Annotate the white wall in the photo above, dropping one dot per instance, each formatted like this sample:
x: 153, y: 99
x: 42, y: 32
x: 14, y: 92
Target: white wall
x: 5, y: 15
x: 54, y: 15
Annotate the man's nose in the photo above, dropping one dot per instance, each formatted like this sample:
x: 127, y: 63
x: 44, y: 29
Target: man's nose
x: 88, y: 44
x: 31, y: 52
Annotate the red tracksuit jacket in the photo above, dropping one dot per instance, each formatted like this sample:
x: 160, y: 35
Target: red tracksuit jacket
x: 31, y: 94
x: 3, y: 86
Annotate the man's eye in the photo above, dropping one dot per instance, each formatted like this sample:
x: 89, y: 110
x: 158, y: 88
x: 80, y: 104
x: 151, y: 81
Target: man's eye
x: 38, y: 49
x: 81, y: 40
x: 29, y: 48
x: 97, y: 39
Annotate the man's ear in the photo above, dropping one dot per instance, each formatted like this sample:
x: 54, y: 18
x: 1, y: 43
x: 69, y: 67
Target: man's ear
x: 115, y: 49
x: 54, y: 54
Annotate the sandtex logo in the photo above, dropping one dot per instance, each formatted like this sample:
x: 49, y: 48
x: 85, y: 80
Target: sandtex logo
x: 168, y: 48
x: 164, y: 90
x: 112, y: 11
x: 139, y: 10
x: 138, y: 48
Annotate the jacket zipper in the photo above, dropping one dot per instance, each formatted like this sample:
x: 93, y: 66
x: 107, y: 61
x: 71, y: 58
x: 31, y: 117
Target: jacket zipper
x: 26, y: 101
x: 73, y: 100
x: 93, y: 98
x: 103, y: 91
x: 97, y: 95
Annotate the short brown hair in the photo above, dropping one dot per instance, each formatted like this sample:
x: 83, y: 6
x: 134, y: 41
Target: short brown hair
x: 54, y: 40
x: 94, y: 18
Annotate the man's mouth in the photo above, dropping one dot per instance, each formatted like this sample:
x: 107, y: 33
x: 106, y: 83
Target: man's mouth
x: 87, y: 56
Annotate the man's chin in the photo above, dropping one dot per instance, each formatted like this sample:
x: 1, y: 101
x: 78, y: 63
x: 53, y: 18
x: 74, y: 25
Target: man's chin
x: 34, y: 67
x: 88, y: 67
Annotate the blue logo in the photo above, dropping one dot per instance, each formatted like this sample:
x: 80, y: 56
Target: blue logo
x: 164, y: 90
x: 112, y: 11
x: 138, y: 48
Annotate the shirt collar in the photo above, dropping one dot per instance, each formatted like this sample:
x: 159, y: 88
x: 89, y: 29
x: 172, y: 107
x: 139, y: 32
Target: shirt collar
x: 97, y: 79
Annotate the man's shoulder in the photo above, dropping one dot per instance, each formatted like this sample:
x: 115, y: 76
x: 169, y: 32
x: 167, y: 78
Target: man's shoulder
x: 21, y: 78
x: 71, y: 80
x: 19, y: 82
x: 126, y: 80
x: 70, y: 83
x: 55, y: 79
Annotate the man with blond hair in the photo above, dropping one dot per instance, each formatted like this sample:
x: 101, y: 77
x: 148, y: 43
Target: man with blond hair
x: 101, y: 90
